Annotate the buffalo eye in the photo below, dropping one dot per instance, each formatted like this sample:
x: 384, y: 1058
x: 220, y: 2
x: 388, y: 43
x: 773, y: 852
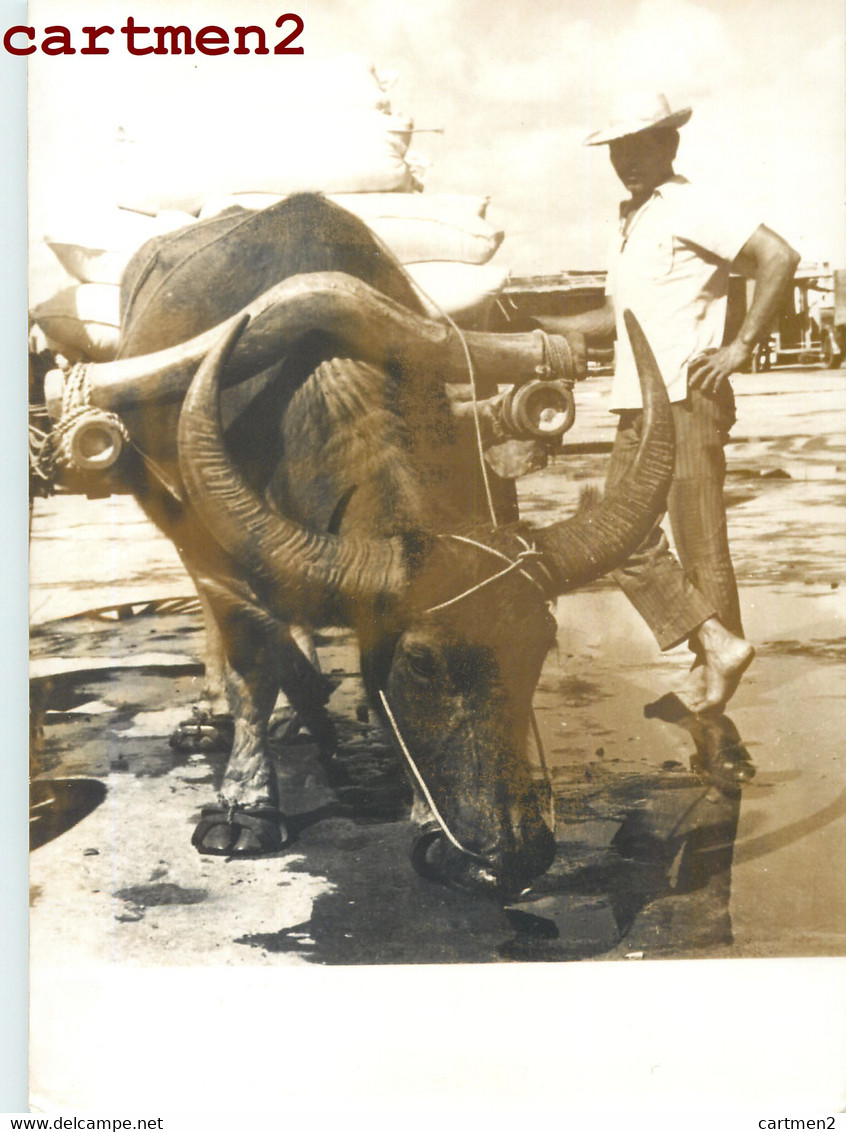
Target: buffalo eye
x: 421, y: 662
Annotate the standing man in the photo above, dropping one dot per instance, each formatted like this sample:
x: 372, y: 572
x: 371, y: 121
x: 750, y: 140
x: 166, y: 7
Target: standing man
x: 670, y: 263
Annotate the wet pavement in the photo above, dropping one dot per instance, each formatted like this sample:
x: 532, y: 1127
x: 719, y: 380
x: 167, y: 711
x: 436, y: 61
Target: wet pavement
x: 653, y: 860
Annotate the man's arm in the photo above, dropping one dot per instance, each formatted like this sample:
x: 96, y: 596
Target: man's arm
x: 595, y: 325
x: 772, y: 263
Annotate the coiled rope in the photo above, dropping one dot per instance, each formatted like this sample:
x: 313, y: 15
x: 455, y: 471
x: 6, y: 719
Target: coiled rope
x: 50, y: 453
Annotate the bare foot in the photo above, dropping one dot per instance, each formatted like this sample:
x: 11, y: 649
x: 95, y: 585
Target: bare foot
x: 693, y: 693
x: 723, y: 659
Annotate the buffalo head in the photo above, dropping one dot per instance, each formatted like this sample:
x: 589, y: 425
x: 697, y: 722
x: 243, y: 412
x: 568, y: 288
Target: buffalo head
x: 456, y: 627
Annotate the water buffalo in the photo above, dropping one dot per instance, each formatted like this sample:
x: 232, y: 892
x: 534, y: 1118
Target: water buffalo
x: 314, y: 474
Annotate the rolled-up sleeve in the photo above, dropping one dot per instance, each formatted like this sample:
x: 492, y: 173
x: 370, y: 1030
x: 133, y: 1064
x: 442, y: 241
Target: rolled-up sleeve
x: 711, y: 221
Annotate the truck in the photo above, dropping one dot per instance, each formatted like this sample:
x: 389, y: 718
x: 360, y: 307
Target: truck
x: 810, y: 327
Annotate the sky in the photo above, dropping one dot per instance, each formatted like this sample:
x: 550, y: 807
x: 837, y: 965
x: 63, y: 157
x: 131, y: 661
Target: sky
x: 515, y: 88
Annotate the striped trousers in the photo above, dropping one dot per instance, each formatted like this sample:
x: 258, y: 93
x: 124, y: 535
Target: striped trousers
x: 674, y: 596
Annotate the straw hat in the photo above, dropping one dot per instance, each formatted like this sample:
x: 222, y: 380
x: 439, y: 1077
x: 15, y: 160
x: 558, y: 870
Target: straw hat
x: 638, y: 111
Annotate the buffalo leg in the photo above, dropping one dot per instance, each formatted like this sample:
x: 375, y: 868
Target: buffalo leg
x: 210, y: 725
x: 246, y: 818
x: 213, y: 696
x: 298, y: 676
x: 251, y: 687
x: 261, y: 658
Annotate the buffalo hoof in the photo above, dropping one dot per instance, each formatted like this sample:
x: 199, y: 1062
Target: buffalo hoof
x: 203, y: 732
x: 234, y: 831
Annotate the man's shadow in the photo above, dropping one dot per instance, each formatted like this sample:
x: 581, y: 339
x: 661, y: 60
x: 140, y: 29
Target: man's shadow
x: 702, y: 828
x: 664, y: 880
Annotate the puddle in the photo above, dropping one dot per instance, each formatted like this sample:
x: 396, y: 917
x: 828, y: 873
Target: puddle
x: 153, y: 724
x: 58, y: 804
x: 294, y: 940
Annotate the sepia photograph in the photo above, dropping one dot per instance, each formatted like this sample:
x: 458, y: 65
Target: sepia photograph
x: 437, y: 427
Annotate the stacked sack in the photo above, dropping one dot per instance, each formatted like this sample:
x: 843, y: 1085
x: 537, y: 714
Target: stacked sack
x: 82, y: 321
x: 325, y: 126
x: 334, y: 132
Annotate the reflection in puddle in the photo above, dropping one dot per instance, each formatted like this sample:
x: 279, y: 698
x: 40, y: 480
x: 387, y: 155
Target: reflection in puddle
x: 57, y: 804
x: 663, y: 882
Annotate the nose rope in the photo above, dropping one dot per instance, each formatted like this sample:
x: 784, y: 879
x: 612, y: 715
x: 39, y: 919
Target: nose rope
x: 422, y: 784
x: 477, y: 424
x: 528, y: 554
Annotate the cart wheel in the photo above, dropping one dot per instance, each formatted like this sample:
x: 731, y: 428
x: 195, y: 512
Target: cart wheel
x: 831, y: 353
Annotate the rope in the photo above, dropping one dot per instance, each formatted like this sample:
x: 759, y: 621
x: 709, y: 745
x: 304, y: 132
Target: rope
x: 421, y: 782
x: 49, y: 452
x: 477, y: 423
x: 76, y: 391
x: 547, y: 776
x: 561, y: 365
x: 471, y: 373
x: 159, y: 473
x: 36, y: 441
x: 528, y: 554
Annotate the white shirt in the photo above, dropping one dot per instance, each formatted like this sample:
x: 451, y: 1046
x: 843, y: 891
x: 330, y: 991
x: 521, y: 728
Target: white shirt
x: 669, y: 264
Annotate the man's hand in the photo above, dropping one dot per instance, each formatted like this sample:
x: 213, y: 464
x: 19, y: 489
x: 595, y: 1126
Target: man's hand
x: 771, y: 263
x: 708, y: 371
x: 464, y: 409
x: 596, y: 325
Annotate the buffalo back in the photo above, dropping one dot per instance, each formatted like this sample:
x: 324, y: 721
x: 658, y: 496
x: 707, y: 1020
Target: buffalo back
x: 182, y: 283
